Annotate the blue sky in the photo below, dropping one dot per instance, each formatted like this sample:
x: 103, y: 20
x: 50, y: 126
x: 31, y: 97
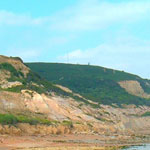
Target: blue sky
x: 109, y: 33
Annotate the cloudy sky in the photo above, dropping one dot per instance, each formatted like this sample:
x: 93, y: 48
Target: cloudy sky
x: 109, y: 33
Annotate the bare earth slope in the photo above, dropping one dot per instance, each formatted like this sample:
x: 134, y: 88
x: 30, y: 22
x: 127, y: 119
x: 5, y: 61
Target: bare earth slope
x: 134, y: 87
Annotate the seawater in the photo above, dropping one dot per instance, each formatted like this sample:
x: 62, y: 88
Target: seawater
x: 143, y: 147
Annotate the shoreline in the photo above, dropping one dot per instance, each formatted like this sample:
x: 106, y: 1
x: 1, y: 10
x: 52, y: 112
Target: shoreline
x: 66, y: 142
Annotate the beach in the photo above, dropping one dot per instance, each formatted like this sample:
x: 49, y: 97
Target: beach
x: 66, y: 142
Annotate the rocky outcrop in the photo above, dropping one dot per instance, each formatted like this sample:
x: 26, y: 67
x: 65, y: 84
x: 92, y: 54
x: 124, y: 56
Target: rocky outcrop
x: 85, y: 119
x: 16, y: 63
x: 4, y: 75
x: 64, y: 88
x: 7, y: 85
x: 27, y: 129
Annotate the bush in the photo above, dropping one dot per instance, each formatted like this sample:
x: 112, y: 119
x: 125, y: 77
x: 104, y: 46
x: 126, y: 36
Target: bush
x: 67, y: 123
x: 8, y: 119
x: 146, y: 114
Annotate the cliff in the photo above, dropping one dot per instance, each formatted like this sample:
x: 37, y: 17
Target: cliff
x: 29, y: 104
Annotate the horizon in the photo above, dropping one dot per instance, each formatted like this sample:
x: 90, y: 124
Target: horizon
x: 108, y: 33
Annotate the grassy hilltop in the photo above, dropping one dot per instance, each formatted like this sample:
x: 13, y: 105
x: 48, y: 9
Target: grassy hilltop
x: 93, y: 82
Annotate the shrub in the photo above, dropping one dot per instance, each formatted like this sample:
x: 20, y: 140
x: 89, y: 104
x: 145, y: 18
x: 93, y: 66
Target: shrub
x: 146, y: 114
x: 8, y: 119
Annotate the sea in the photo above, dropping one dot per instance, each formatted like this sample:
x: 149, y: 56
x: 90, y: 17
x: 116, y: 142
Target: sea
x: 143, y: 147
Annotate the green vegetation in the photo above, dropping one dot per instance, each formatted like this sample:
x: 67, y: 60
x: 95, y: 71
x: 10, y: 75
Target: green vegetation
x: 62, y: 71
x: 145, y: 85
x: 14, y: 73
x: 67, y: 123
x: 35, y: 83
x: 10, y: 119
x: 146, y: 114
x: 32, y: 120
x: 93, y: 82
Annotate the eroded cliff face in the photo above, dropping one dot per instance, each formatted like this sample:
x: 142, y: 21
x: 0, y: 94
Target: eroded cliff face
x: 85, y: 119
x: 27, y: 129
x: 16, y: 63
x: 6, y: 71
x: 134, y: 88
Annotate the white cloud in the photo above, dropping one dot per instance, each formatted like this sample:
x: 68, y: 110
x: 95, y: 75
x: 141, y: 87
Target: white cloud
x: 98, y: 14
x: 9, y: 18
x: 86, y: 15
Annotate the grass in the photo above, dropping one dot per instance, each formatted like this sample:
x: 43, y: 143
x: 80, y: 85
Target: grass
x: 67, y: 123
x: 93, y: 82
x: 10, y: 119
x: 44, y: 86
x: 146, y: 114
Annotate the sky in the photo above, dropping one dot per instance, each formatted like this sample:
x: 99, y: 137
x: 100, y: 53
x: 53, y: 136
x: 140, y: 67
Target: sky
x: 109, y: 33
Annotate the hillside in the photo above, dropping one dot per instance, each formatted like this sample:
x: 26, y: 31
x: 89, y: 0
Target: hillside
x: 77, y: 99
x: 15, y: 77
x: 25, y: 97
x: 31, y: 105
x: 102, y: 85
